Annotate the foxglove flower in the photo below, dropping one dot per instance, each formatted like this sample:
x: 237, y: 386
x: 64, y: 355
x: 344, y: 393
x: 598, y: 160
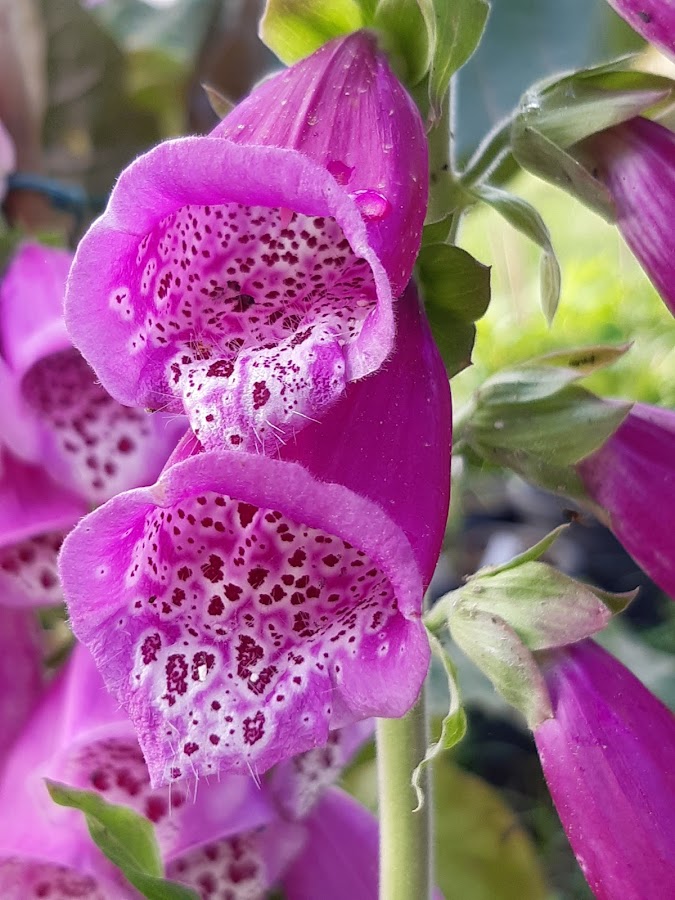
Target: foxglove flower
x: 224, y: 839
x: 35, y: 515
x: 248, y: 276
x: 21, y: 680
x: 7, y: 159
x: 54, y: 411
x: 636, y: 161
x: 245, y: 606
x: 608, y: 759
x: 654, y: 20
x: 631, y: 477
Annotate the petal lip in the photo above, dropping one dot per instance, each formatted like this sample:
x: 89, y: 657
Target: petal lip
x: 204, y: 171
x: 607, y: 758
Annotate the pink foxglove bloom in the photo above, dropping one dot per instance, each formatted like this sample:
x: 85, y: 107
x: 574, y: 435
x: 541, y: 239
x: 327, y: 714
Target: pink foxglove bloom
x: 21, y: 679
x: 35, y: 515
x: 636, y: 161
x: 632, y: 478
x: 654, y: 20
x: 223, y: 838
x: 245, y: 605
x: 7, y: 159
x: 54, y: 411
x: 247, y: 277
x: 608, y: 759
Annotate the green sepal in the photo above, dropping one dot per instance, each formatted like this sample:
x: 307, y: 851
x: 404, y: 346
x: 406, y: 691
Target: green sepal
x: 218, y: 102
x: 498, y: 651
x: 404, y: 34
x: 453, y: 727
x: 456, y: 292
x: 525, y: 218
x: 454, y: 30
x: 293, y: 29
x: 126, y: 839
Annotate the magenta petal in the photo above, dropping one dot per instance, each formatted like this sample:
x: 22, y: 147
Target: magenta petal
x: 608, y: 760
x: 653, y: 19
x: 26, y: 878
x: 631, y: 476
x: 242, y: 276
x: 21, y: 678
x: 31, y: 305
x: 344, y: 108
x: 636, y: 160
x: 340, y: 858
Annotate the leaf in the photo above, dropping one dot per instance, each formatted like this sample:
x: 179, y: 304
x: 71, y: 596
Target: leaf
x: 584, y: 360
x: 456, y: 291
x: 482, y: 852
x: 454, y: 31
x: 529, y: 555
x: 453, y: 727
x: 219, y: 102
x: 498, y: 651
x: 525, y: 218
x: 127, y: 839
x: 294, y: 29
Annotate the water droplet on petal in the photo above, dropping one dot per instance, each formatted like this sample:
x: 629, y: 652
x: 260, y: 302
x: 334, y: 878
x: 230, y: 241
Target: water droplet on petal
x: 371, y: 204
x: 340, y: 171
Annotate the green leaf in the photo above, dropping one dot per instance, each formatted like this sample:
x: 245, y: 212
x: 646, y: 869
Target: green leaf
x: 530, y: 555
x: 453, y: 727
x: 401, y: 24
x: 583, y: 360
x: 127, y: 839
x: 525, y: 218
x: 498, y: 651
x: 218, y: 102
x: 482, y: 851
x: 456, y: 291
x: 294, y: 29
x: 454, y: 31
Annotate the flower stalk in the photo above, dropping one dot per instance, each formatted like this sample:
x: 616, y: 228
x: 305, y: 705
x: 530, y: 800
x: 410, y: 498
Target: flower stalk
x: 405, y: 832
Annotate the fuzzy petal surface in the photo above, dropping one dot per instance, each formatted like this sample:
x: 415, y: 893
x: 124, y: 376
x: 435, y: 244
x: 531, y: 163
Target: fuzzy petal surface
x: 636, y: 160
x: 245, y: 606
x: 631, y: 476
x: 607, y: 756
x: 654, y: 20
x: 247, y: 277
x: 341, y: 856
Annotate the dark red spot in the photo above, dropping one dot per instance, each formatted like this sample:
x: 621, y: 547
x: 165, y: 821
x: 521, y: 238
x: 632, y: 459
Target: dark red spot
x: 150, y: 648
x: 297, y: 559
x: 331, y: 560
x: 261, y: 394
x: 178, y: 596
x: 246, y: 513
x: 184, y: 573
x: 176, y: 674
x: 155, y: 808
x: 216, y: 606
x: 249, y: 652
x: 232, y: 592
x: 253, y: 728
x: 257, y: 576
x: 190, y: 748
x: 213, y: 569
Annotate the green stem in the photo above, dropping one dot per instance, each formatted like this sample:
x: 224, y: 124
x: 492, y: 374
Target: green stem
x: 405, y: 833
x: 489, y: 154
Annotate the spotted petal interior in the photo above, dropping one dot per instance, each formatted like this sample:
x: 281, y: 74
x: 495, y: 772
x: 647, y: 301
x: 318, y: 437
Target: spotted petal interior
x: 241, y: 623
x: 242, y: 313
x: 231, y: 869
x: 28, y: 570
x: 24, y: 879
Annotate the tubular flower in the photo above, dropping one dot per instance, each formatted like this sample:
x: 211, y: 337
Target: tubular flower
x: 636, y: 161
x: 20, y: 672
x: 247, y: 277
x: 7, y: 159
x: 654, y: 20
x: 245, y: 606
x: 631, y: 477
x: 607, y: 758
x: 226, y: 839
x: 54, y: 410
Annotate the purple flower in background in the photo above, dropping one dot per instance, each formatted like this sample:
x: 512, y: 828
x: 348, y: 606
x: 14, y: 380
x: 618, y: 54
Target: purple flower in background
x: 7, y: 159
x: 21, y: 676
x: 226, y: 838
x: 636, y: 161
x: 35, y: 515
x: 608, y: 759
x: 247, y: 277
x: 54, y: 411
x: 632, y: 478
x: 654, y: 20
x: 245, y: 606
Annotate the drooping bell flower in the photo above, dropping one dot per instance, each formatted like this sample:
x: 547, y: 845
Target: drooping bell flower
x: 222, y: 838
x: 608, y: 759
x: 654, y: 20
x: 636, y: 161
x: 7, y: 159
x: 21, y: 672
x: 247, y: 276
x: 631, y: 477
x: 35, y: 515
x: 245, y: 606
x: 54, y: 411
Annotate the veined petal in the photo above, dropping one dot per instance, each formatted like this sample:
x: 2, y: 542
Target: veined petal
x: 607, y: 758
x: 245, y: 606
x: 636, y: 160
x: 631, y: 476
x: 55, y: 412
x: 246, y: 277
x: 653, y: 19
